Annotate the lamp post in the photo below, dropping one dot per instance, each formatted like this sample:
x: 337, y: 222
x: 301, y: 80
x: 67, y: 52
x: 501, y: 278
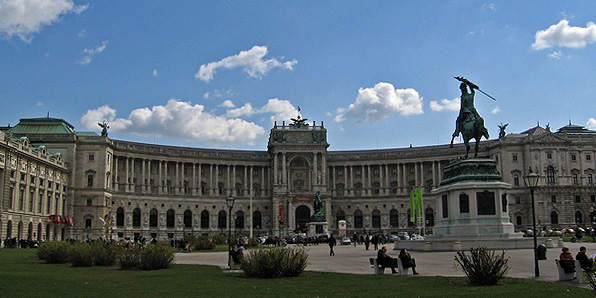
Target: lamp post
x: 531, y: 181
x: 230, y: 204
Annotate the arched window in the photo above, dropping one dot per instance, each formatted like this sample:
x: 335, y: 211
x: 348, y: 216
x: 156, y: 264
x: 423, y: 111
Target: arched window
x: 153, y: 218
x: 256, y: 220
x: 550, y: 175
x: 579, y: 217
x: 30, y: 231
x: 170, y: 222
x: 376, y: 219
x: 136, y: 217
x: 554, y: 217
x: 221, y: 220
x: 120, y: 217
x: 205, y: 219
x: 239, y: 220
x: 358, y: 221
x: 188, y: 219
x: 38, y: 231
x: 410, y: 223
x: 302, y: 217
x: 88, y: 223
x: 341, y: 215
x: 9, y: 229
x: 429, y: 216
x: 393, y: 218
x: 516, y: 179
x: 518, y: 220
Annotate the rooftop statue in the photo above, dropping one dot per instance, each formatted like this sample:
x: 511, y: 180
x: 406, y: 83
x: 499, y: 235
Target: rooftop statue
x: 104, y: 128
x: 502, y: 127
x: 469, y: 123
x: 299, y: 121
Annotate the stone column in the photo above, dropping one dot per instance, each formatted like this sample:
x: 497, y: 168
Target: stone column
x: 115, y: 171
x: 126, y: 171
x: 159, y: 178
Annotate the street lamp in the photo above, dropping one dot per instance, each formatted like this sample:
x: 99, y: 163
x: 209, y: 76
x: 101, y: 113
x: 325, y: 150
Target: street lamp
x: 531, y: 181
x: 230, y: 203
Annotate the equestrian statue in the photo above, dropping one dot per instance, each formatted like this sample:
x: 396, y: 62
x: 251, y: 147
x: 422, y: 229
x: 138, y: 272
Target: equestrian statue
x: 469, y: 123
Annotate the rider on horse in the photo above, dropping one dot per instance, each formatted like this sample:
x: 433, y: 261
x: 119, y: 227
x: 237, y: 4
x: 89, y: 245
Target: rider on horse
x: 467, y: 112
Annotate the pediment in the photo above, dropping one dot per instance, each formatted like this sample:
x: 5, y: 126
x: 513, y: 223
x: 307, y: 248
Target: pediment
x: 550, y: 138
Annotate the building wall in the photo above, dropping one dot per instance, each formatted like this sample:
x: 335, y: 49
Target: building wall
x: 370, y: 189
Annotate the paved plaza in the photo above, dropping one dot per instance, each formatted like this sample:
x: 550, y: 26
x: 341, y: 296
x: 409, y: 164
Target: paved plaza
x: 354, y: 260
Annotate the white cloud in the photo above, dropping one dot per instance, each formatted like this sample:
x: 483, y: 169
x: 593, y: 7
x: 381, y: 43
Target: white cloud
x: 187, y: 121
x: 496, y: 110
x: 24, y: 18
x: 591, y: 124
x: 563, y: 35
x: 227, y: 104
x: 89, y: 54
x: 377, y: 103
x: 281, y: 110
x: 155, y: 74
x: 251, y: 61
x: 555, y: 55
x: 445, y: 104
x: 82, y: 33
x: 40, y: 104
x: 219, y: 93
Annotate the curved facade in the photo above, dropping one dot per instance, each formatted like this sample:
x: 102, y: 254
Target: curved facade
x: 163, y: 192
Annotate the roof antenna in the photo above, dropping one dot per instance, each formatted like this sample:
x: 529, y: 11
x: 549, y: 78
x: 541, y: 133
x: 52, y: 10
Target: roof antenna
x: 48, y: 114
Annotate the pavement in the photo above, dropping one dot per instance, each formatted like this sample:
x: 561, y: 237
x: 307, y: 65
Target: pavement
x: 355, y: 260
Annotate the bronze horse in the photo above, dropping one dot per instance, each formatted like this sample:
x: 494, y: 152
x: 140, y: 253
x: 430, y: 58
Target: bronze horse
x: 472, y: 129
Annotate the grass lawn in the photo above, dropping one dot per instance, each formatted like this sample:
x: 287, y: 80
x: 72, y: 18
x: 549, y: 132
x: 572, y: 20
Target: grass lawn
x: 23, y: 275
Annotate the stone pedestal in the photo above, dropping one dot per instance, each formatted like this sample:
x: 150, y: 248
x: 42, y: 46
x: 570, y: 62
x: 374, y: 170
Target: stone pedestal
x: 472, y: 210
x: 316, y: 229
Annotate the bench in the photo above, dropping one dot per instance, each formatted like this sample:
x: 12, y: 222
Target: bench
x: 380, y: 270
x: 561, y: 268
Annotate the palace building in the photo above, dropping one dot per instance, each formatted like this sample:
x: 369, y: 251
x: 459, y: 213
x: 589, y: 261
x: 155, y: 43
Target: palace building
x: 57, y: 183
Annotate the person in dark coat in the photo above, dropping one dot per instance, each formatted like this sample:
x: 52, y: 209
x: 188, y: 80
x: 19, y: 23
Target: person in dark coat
x: 586, y: 263
x: 366, y: 241
x: 385, y: 260
x: 332, y: 243
x: 407, y: 261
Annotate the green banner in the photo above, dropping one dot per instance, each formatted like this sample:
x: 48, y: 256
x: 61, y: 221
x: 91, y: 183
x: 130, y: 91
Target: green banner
x: 419, y: 206
x: 412, y: 207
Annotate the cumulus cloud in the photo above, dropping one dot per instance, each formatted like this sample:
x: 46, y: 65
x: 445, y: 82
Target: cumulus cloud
x: 445, y: 104
x: 23, y: 18
x: 377, y: 103
x: 187, y: 121
x: 555, y: 55
x: 155, y: 74
x: 591, y: 124
x: 89, y: 54
x: 563, y: 35
x: 217, y: 93
x: 251, y: 62
x: 496, y: 110
x: 228, y: 104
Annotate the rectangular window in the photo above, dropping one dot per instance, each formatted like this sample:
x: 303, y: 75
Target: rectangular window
x: 514, y: 157
x: 578, y: 199
x: 445, y: 206
x: 549, y: 156
x: 90, y: 181
x: 91, y: 157
x: 32, y: 180
x: 89, y: 201
x: 517, y: 200
x: 464, y: 203
x: 588, y: 157
x: 593, y: 198
x: 575, y: 180
x: 485, y: 203
x: 10, y: 197
x: 573, y: 157
x: 553, y: 199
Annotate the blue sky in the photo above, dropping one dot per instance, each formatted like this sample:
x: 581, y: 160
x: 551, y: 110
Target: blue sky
x: 216, y: 74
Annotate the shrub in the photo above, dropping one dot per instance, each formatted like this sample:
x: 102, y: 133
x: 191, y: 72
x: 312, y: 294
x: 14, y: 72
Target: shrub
x: 104, y: 254
x: 130, y: 258
x: 200, y: 243
x: 81, y: 255
x: 275, y: 263
x: 482, y: 266
x: 156, y: 256
x: 54, y: 252
x: 220, y: 239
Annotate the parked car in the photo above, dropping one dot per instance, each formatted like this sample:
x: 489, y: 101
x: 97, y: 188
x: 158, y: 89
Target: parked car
x: 403, y: 236
x: 345, y: 241
x: 416, y: 237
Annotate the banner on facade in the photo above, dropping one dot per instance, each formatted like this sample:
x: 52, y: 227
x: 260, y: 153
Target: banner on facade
x: 302, y: 198
x: 342, y: 225
x: 281, y: 213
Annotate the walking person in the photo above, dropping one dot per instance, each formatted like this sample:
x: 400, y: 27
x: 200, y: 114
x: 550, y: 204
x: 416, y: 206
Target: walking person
x: 366, y: 241
x: 332, y: 243
x: 355, y: 239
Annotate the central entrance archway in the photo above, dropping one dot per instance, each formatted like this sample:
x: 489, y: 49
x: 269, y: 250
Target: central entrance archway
x: 302, y: 217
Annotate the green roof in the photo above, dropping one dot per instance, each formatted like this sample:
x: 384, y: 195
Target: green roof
x: 43, y: 126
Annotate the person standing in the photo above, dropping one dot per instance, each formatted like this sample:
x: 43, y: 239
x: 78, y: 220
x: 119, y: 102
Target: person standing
x: 332, y: 243
x: 355, y: 237
x: 366, y: 241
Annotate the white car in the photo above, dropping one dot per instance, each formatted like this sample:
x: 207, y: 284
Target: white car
x: 345, y: 241
x: 416, y: 237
